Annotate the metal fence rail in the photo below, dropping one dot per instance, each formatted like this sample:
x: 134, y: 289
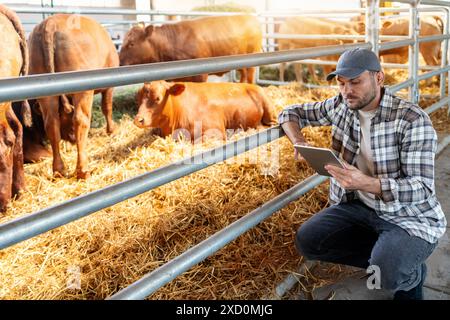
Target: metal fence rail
x: 169, y: 271
x: 371, y: 35
x: 65, y: 82
x: 47, y: 219
x: 111, y: 11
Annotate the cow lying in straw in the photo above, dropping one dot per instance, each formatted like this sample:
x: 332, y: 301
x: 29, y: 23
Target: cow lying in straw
x: 199, y: 109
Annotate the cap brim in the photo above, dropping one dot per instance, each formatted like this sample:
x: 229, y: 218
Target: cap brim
x: 350, y: 73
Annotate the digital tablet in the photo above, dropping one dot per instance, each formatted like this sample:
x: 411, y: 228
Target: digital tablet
x: 318, y: 158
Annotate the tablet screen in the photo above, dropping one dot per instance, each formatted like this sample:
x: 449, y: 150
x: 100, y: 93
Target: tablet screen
x: 318, y: 158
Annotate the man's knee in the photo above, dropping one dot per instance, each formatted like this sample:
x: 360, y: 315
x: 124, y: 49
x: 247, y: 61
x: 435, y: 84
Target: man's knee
x: 305, y: 243
x: 388, y: 277
x: 395, y: 275
x: 400, y: 257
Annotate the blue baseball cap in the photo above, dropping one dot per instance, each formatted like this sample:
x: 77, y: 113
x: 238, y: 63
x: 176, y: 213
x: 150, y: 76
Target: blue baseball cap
x: 354, y: 62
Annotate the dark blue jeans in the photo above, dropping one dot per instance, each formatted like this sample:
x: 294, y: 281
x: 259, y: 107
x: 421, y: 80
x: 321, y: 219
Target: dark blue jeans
x: 353, y: 234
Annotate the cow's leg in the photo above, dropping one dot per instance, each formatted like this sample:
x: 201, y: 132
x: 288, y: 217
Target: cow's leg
x: 243, y: 73
x: 312, y: 72
x: 18, y: 182
x: 215, y: 131
x: 82, y: 120
x: 251, y: 75
x: 199, y: 78
x: 431, y: 57
x: 327, y: 70
x: 431, y: 53
x: 50, y: 113
x: 6, y: 158
x: 281, y: 70
x: 269, y: 118
x: 107, y: 104
x: 298, y: 72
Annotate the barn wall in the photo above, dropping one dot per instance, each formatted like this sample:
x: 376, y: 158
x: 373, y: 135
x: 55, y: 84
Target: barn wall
x: 30, y: 20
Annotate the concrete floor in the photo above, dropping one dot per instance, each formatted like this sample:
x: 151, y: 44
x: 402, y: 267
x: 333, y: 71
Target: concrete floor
x: 437, y: 284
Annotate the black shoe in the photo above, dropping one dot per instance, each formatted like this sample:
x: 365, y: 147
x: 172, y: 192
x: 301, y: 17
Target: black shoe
x: 415, y: 293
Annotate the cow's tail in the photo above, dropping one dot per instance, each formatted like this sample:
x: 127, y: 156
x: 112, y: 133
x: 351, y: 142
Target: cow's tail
x: 12, y: 16
x: 49, y: 29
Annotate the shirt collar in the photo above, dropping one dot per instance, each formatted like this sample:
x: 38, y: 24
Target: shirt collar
x: 385, y: 106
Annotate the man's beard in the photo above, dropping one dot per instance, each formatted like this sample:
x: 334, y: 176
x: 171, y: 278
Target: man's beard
x: 366, y: 100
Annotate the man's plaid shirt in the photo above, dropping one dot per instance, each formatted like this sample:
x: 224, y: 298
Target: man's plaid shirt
x: 403, y: 143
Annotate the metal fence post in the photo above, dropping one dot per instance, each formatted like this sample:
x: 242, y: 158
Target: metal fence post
x: 414, y: 28
x: 373, y: 24
x: 446, y: 53
x: 444, y: 49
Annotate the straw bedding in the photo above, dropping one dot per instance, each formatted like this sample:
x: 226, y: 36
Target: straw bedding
x: 94, y: 257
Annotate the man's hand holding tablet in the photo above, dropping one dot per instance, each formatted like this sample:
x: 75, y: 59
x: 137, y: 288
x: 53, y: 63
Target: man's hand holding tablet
x: 318, y: 158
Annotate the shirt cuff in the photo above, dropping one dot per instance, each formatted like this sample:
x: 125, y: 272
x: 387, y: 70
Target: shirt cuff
x: 387, y: 190
x: 286, y: 116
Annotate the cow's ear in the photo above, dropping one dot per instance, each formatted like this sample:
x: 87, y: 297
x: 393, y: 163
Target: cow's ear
x: 149, y: 30
x: 361, y: 27
x: 387, y: 24
x: 439, y: 23
x: 140, y: 94
x: 140, y: 24
x: 177, y: 89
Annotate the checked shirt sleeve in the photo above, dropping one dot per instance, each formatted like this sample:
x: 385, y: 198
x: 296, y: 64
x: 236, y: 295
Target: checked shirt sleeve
x: 310, y: 114
x: 418, y: 148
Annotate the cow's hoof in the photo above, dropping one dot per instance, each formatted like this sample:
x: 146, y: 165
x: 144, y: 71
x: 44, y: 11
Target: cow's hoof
x: 83, y: 174
x: 111, y: 129
x: 59, y: 174
x: 18, y: 190
x: 3, y: 207
x: 157, y: 132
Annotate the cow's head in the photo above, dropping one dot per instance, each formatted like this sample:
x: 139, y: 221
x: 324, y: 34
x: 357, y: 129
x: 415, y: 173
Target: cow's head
x: 137, y: 47
x: 359, y: 27
x: 152, y: 99
x: 344, y: 30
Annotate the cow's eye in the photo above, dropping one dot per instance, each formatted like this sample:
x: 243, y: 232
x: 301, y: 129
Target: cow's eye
x: 131, y: 44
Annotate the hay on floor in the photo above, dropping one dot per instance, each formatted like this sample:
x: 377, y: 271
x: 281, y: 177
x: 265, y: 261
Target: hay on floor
x: 98, y: 255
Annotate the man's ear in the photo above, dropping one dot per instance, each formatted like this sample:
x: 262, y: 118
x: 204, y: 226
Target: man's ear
x: 177, y: 89
x: 380, y: 77
x: 149, y: 30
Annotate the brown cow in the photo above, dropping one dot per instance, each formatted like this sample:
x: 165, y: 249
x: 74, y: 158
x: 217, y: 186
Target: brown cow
x: 191, y: 39
x: 202, y: 108
x: 306, y: 25
x: 429, y: 26
x: 69, y: 43
x: 399, y: 26
x: 13, y: 62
